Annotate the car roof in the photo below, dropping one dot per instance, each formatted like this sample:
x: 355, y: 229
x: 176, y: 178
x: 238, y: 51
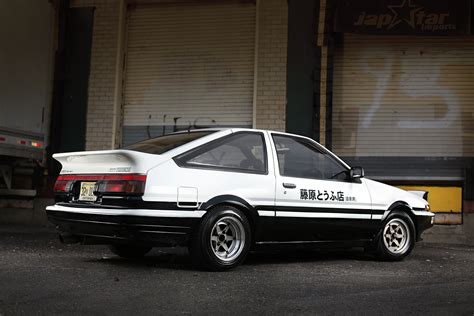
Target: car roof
x: 233, y: 129
x: 238, y: 129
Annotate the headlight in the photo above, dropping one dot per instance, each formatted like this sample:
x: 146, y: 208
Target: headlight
x: 427, y: 207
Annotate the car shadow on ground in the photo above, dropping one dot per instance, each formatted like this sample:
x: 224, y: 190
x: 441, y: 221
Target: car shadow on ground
x: 179, y: 259
x: 284, y: 256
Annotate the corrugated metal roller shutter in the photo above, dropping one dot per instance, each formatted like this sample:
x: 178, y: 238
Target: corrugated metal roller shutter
x: 188, y: 64
x: 404, y: 96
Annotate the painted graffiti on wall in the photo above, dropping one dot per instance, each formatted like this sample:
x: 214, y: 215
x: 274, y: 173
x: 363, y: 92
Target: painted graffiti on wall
x: 168, y: 124
x: 432, y: 87
x: 404, y: 97
x: 177, y: 125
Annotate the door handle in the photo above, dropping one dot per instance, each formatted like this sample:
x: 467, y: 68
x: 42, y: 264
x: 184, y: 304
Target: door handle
x: 289, y: 185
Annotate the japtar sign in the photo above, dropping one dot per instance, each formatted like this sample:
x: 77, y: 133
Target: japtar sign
x: 405, y: 17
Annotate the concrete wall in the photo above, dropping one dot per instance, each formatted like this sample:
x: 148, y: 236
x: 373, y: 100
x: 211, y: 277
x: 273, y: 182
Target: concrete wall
x: 271, y: 68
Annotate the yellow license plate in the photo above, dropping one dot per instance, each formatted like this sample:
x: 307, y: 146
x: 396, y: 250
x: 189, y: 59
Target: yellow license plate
x: 87, y: 192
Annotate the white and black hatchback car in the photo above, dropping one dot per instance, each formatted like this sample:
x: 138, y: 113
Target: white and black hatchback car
x: 222, y: 191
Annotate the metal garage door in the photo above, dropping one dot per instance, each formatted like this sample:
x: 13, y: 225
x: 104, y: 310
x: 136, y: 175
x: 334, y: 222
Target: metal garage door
x: 188, y: 65
x: 404, y: 97
x: 403, y: 106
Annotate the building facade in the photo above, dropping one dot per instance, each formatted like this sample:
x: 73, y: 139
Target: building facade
x: 162, y: 66
x: 387, y: 85
x: 402, y: 90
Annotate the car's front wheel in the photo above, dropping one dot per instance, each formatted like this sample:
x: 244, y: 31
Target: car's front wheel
x: 396, y: 239
x: 222, y: 240
x: 129, y: 251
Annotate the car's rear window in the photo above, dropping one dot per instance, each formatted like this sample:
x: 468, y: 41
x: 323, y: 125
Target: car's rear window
x: 162, y: 144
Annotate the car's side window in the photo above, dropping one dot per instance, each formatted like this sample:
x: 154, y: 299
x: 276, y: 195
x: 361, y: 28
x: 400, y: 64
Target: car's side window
x: 242, y: 151
x: 299, y: 158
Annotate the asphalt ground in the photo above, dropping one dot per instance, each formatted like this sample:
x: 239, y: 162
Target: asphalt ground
x: 38, y: 275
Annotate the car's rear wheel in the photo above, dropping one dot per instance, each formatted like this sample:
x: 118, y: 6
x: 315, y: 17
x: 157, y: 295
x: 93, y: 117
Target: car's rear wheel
x: 396, y: 239
x: 222, y: 240
x: 129, y: 251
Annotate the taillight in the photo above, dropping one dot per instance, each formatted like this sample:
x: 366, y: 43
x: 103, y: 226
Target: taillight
x: 63, y: 185
x: 126, y: 184
x: 121, y: 187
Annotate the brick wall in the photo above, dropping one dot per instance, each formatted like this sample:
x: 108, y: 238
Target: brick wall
x: 102, y: 73
x: 271, y: 79
x: 271, y: 64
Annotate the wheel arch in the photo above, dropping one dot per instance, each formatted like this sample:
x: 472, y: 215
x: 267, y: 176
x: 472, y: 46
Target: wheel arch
x: 403, y: 207
x: 249, y: 211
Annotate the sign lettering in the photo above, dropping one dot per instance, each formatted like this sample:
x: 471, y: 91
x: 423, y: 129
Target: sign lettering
x: 405, y: 17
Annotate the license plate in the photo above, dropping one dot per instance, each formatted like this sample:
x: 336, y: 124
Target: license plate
x: 87, y: 192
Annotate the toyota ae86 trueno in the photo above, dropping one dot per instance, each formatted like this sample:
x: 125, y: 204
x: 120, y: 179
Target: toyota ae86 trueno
x: 222, y: 191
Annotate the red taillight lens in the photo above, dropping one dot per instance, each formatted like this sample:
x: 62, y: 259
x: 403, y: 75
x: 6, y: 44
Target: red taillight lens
x: 62, y: 185
x: 128, y: 187
x: 126, y: 184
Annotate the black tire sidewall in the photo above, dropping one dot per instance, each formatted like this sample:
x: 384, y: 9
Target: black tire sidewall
x: 382, y: 250
x: 208, y: 258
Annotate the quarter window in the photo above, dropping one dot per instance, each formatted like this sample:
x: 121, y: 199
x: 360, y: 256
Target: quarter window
x: 240, y: 152
x: 298, y: 157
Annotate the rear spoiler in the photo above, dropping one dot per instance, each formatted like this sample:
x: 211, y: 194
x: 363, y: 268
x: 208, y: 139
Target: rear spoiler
x: 107, y: 161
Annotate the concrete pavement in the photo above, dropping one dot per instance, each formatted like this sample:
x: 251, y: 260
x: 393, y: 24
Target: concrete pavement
x: 39, y: 275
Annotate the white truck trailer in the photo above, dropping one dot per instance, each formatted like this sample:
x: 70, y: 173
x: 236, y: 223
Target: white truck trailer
x: 26, y: 59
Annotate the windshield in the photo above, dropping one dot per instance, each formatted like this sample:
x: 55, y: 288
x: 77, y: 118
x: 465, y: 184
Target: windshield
x: 162, y: 144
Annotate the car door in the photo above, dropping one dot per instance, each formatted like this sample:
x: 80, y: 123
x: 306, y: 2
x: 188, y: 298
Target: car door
x: 315, y: 197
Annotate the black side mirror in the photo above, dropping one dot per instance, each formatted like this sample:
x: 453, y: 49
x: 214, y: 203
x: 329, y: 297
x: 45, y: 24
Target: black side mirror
x: 357, y: 172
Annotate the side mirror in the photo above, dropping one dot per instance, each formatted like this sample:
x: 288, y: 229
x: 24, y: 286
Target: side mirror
x: 357, y: 172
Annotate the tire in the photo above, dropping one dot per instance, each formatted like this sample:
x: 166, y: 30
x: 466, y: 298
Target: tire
x: 129, y: 251
x: 222, y: 240
x: 396, y: 238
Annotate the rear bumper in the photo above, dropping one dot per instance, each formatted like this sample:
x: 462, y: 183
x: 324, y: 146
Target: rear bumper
x: 153, y: 227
